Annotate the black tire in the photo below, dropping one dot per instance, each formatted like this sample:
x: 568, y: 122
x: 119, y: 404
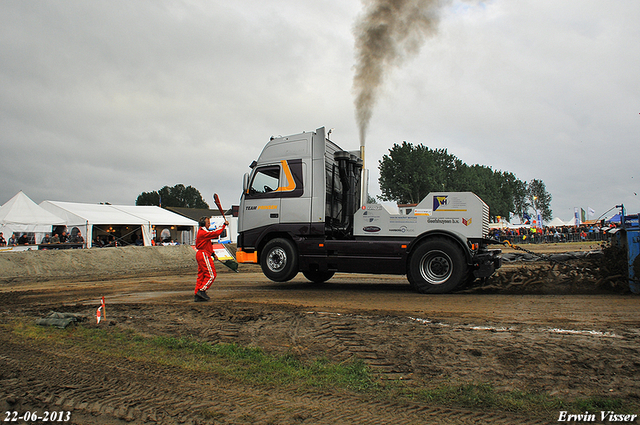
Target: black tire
x: 279, y: 260
x: 318, y: 277
x: 437, y: 266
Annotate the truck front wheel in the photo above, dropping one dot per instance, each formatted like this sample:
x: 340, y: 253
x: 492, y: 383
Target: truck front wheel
x: 437, y: 266
x: 279, y: 260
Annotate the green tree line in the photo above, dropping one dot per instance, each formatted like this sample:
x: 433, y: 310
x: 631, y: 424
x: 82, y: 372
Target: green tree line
x: 176, y: 196
x: 409, y: 173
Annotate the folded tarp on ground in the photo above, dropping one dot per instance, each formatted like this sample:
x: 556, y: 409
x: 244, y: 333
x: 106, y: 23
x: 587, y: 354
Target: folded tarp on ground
x: 60, y: 320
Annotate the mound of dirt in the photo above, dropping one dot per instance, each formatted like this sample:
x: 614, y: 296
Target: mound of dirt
x: 95, y: 263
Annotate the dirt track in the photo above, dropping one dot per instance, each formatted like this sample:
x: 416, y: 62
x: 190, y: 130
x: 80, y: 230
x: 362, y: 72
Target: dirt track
x: 566, y: 345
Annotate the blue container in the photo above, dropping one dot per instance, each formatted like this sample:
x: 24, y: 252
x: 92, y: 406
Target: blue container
x: 633, y: 246
x: 631, y: 227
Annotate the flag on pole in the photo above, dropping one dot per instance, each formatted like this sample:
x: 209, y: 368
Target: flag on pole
x: 539, y: 219
x: 582, y: 218
x: 591, y: 212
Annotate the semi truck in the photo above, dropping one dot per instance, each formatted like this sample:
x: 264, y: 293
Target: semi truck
x: 302, y: 210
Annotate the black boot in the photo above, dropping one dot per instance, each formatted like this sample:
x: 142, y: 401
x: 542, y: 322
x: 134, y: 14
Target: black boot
x: 202, y: 294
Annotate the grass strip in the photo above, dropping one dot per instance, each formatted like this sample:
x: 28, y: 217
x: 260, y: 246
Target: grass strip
x: 254, y: 366
x: 247, y: 364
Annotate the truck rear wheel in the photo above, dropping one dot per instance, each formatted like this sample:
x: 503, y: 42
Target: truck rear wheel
x: 279, y: 260
x: 317, y: 276
x: 437, y: 266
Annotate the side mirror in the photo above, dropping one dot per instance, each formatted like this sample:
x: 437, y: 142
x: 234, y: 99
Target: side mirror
x: 245, y: 183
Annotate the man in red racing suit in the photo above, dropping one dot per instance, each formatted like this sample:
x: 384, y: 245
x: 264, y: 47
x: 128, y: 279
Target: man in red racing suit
x: 206, y: 270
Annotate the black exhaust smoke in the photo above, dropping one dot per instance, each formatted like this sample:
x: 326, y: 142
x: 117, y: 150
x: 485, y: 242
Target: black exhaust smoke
x: 386, y: 34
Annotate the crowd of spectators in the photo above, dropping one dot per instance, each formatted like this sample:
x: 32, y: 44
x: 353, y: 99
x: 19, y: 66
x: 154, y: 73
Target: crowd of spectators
x: 60, y: 239
x: 583, y: 233
x: 49, y: 240
x: 134, y: 240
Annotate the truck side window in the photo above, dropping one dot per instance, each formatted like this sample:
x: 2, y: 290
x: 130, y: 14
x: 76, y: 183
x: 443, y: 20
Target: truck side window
x: 265, y: 180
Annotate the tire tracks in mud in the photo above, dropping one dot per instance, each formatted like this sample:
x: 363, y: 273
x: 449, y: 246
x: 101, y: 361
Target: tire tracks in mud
x: 568, y: 362
x: 512, y: 353
x: 344, y: 341
x: 103, y: 391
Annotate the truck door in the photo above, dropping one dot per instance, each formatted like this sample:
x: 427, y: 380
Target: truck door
x: 261, y: 200
x: 274, y: 196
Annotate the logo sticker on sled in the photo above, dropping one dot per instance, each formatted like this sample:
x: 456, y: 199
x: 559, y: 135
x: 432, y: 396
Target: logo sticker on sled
x: 448, y: 203
x: 439, y: 201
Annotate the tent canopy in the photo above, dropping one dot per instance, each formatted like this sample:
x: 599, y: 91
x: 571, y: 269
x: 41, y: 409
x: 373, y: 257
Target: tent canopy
x: 85, y: 216
x: 556, y: 222
x: 157, y: 216
x: 614, y: 219
x: 21, y: 214
x: 75, y: 214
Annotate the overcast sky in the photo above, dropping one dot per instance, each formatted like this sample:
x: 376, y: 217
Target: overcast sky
x: 103, y: 100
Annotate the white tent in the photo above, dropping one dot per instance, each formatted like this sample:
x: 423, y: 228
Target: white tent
x: 21, y: 215
x: 502, y: 224
x: 104, y: 217
x: 85, y: 216
x: 556, y: 222
x: 159, y: 217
